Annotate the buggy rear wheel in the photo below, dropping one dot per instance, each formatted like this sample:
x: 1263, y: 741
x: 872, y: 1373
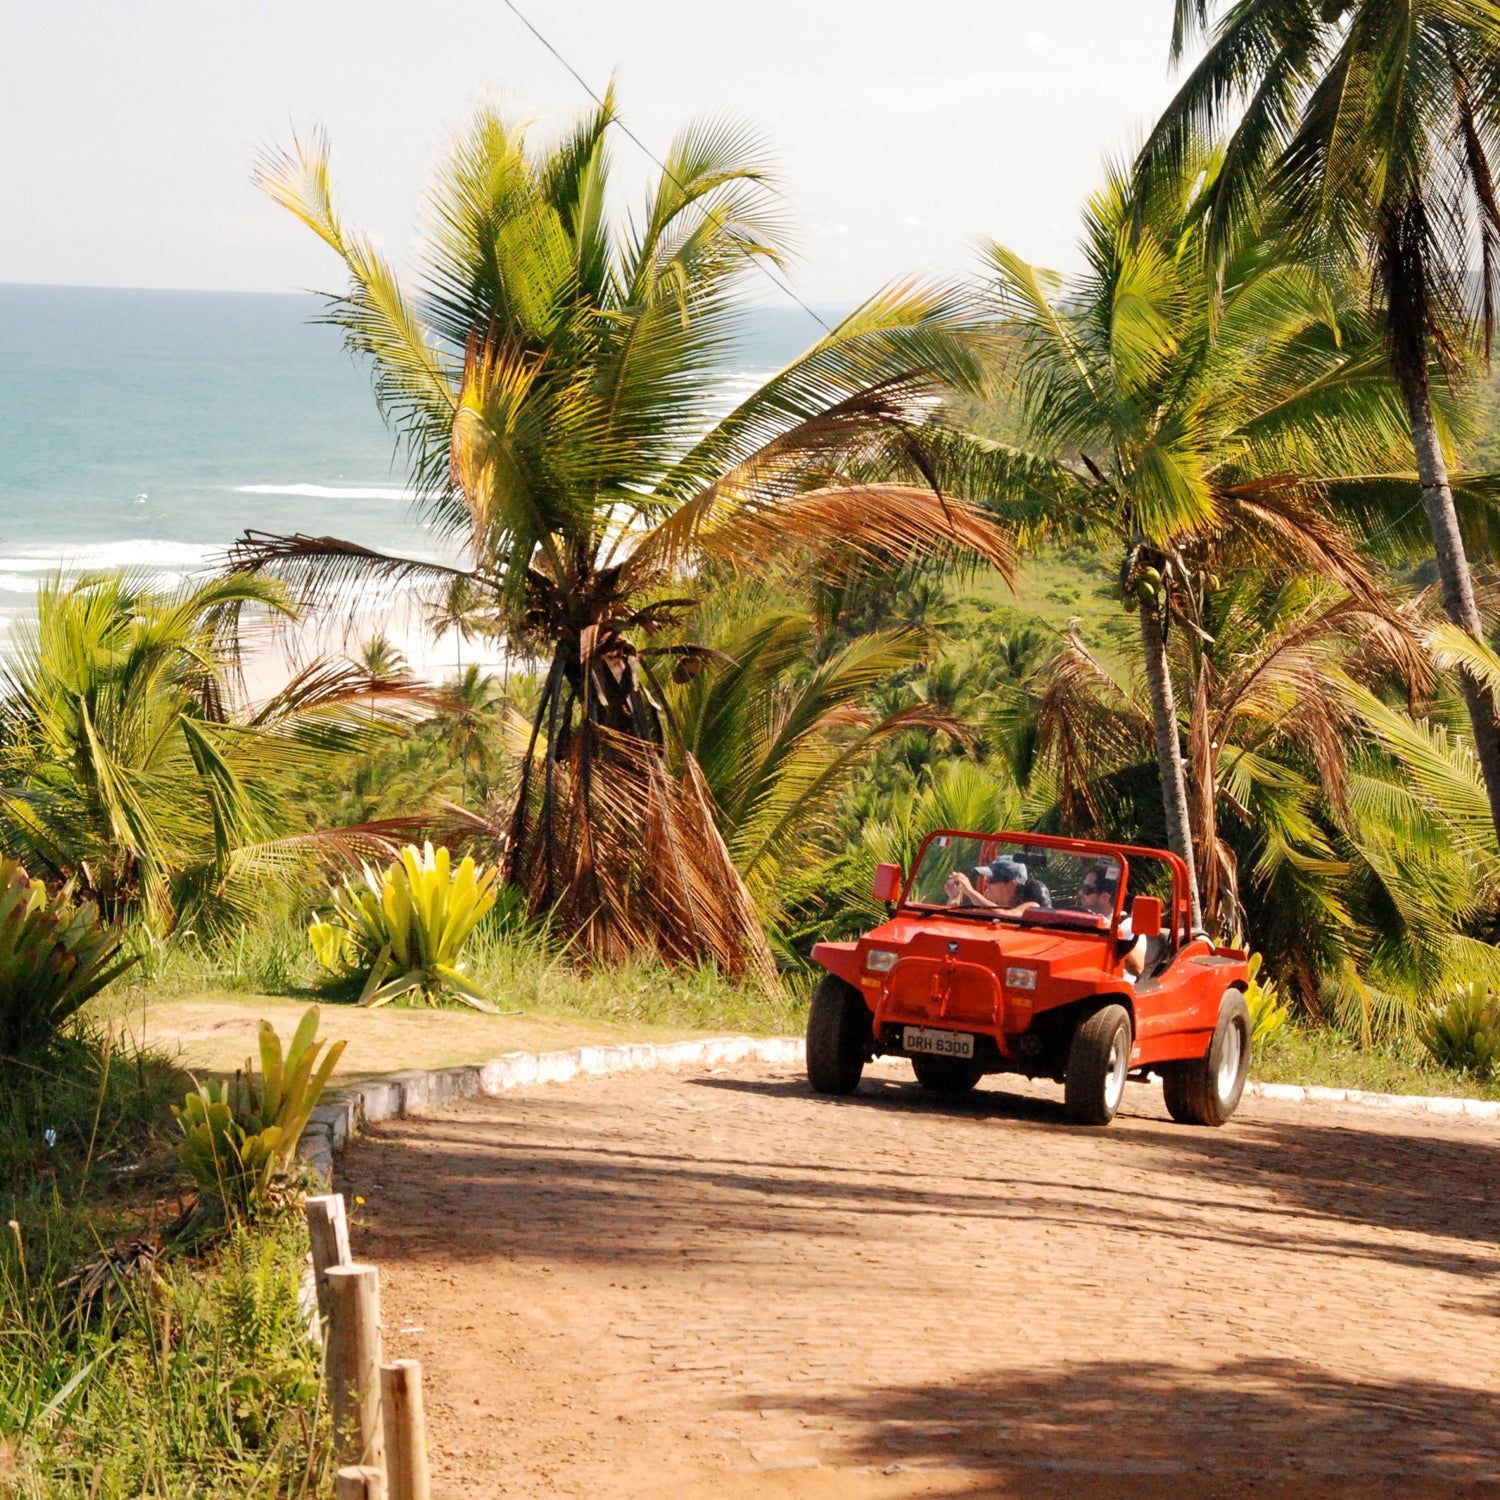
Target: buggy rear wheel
x: 838, y: 1037
x: 946, y: 1075
x: 1098, y: 1061
x: 1206, y: 1090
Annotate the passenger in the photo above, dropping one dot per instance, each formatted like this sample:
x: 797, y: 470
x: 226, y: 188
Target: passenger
x: 1006, y: 877
x: 1097, y: 894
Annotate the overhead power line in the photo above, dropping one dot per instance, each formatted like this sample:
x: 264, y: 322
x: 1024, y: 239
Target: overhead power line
x: 625, y: 130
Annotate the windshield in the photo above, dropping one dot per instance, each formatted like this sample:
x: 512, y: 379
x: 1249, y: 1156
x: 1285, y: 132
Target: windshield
x: 1005, y: 878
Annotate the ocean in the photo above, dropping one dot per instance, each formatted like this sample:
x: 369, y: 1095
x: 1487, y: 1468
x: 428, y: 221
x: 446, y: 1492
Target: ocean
x: 148, y: 429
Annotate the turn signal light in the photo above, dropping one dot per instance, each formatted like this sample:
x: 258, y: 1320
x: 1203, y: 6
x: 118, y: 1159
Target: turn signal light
x: 1017, y: 978
x: 881, y: 960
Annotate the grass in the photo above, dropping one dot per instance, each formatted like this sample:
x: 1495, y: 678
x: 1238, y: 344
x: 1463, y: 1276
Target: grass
x: 1308, y: 1054
x: 203, y: 1007
x: 182, y: 1373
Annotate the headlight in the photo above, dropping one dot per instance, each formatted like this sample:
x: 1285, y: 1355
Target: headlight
x: 881, y: 960
x: 1020, y: 979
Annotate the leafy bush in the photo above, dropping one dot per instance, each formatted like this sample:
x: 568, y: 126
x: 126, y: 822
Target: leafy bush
x: 1268, y: 1011
x: 239, y: 1142
x: 1464, y: 1034
x: 188, y: 1378
x: 409, y: 923
x: 54, y: 956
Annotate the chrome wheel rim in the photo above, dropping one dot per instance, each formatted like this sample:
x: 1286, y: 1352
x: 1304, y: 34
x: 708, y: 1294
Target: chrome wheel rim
x: 1229, y: 1060
x: 1119, y: 1065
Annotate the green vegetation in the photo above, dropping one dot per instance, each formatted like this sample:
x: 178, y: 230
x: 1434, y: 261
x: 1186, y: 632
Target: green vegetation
x: 1138, y: 554
x: 1465, y: 1034
x: 411, y: 923
x: 130, y: 1363
x: 240, y: 1139
x: 54, y: 958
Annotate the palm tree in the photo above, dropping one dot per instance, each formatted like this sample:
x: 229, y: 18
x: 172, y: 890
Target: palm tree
x: 551, y: 380
x: 778, y: 733
x: 1347, y: 839
x: 127, y: 767
x: 1369, y: 124
x: 1166, y: 415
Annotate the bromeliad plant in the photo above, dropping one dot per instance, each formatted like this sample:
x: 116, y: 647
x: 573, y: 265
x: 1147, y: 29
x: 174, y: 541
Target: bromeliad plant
x: 1464, y: 1034
x: 240, y: 1138
x: 54, y: 956
x: 405, y: 928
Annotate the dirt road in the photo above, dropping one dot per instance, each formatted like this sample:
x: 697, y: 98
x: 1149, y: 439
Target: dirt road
x: 721, y: 1285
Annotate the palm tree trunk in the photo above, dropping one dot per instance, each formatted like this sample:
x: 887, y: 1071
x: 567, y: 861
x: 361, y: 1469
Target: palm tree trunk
x: 1453, y: 569
x: 1169, y: 751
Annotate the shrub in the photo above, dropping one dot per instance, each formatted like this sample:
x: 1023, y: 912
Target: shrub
x: 240, y: 1141
x: 54, y: 956
x: 1268, y: 1012
x: 1464, y: 1034
x: 404, y: 929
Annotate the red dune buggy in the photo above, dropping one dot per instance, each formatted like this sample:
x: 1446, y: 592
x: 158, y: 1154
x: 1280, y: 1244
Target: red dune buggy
x: 1052, y: 957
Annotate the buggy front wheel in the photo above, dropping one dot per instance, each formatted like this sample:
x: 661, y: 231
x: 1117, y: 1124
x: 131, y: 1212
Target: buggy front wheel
x: 838, y: 1037
x: 1098, y: 1062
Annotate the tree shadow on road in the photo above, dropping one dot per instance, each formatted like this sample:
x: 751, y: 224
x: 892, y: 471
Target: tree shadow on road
x: 1314, y: 1166
x: 1141, y: 1428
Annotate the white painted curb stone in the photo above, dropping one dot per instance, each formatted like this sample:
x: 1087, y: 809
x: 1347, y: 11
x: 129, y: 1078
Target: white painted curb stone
x: 414, y: 1092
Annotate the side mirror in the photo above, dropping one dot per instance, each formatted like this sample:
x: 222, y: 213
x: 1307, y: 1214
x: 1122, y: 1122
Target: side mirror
x: 1145, y: 916
x: 887, y: 882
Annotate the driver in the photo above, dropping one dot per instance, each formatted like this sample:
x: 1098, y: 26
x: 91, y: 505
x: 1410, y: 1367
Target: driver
x: 1005, y: 878
x: 1097, y: 894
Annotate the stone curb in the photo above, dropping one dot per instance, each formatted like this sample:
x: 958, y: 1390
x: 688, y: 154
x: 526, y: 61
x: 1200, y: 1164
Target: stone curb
x: 1432, y: 1104
x: 416, y: 1091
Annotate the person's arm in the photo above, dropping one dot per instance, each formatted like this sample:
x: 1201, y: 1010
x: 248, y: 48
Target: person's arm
x: 1135, y: 960
x: 962, y: 892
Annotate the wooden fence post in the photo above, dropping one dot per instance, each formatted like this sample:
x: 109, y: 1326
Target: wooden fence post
x: 405, y: 1430
x: 352, y: 1353
x: 328, y: 1233
x: 359, y: 1484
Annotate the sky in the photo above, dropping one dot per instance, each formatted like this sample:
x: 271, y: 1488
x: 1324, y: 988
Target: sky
x: 904, y: 131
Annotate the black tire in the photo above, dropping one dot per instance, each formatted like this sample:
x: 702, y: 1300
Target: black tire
x: 1206, y: 1090
x: 1098, y: 1061
x: 838, y: 1037
x: 947, y: 1075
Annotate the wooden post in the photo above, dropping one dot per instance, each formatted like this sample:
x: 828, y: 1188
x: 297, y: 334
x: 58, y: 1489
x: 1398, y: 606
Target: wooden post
x: 328, y: 1233
x: 405, y: 1430
x: 358, y: 1484
x: 352, y: 1352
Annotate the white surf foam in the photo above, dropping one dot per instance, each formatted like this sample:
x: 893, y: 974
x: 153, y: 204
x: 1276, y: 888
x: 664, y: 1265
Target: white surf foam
x: 133, y: 552
x: 327, y: 491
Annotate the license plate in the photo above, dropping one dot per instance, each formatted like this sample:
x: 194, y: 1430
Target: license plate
x: 940, y: 1043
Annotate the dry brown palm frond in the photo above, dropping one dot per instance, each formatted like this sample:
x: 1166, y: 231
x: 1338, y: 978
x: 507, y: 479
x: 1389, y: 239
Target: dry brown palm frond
x: 839, y: 532
x: 112, y: 1270
x: 627, y: 858
x: 329, y: 683
x: 1288, y: 686
x: 1087, y: 723
x: 321, y: 569
x: 1277, y: 518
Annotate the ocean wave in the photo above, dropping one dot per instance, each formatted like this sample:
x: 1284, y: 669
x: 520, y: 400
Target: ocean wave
x: 326, y: 491
x: 135, y: 552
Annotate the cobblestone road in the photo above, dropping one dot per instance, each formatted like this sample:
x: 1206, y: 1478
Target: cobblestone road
x: 720, y: 1284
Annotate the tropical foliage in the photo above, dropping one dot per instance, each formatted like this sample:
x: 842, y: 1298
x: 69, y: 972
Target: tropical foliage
x: 1464, y: 1034
x: 54, y: 957
x: 403, y: 929
x: 547, y: 376
x: 240, y: 1137
x: 128, y: 768
x: 1363, y: 130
